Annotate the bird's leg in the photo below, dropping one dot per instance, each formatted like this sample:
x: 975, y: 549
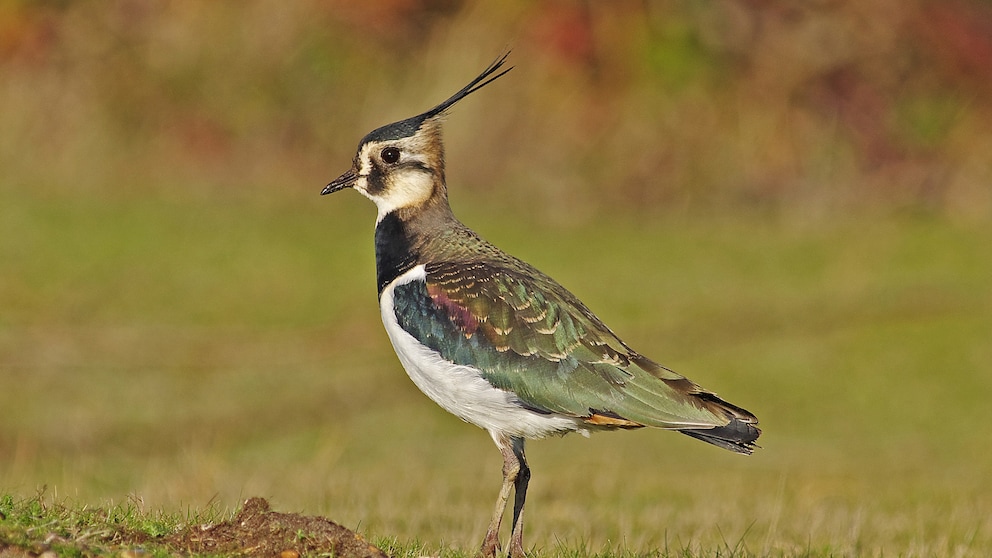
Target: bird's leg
x: 511, y: 466
x: 519, y: 495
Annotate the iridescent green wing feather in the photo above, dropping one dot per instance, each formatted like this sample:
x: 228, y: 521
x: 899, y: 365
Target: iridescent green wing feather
x: 528, y: 335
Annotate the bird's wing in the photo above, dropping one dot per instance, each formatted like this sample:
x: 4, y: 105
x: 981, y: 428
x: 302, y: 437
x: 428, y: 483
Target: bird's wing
x: 528, y: 335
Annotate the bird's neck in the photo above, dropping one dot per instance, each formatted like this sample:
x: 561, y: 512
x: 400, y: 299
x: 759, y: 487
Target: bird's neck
x: 401, y: 236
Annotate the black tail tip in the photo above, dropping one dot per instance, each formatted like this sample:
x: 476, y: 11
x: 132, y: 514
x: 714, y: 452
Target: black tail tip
x: 738, y: 436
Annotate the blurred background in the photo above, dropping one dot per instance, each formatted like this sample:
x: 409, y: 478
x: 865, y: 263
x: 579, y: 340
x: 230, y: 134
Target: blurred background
x: 652, y: 106
x: 791, y: 203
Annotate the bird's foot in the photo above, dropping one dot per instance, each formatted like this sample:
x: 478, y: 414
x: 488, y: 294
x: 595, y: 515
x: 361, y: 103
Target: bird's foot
x: 491, y: 549
x: 516, y: 545
x: 490, y: 545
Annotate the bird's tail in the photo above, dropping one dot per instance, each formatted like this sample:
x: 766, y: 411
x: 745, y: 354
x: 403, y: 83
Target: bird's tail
x: 738, y: 435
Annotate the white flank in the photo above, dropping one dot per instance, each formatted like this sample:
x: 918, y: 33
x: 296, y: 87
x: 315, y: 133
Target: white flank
x: 461, y: 390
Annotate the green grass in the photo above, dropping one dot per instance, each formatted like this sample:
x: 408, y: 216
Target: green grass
x: 185, y: 354
x: 42, y: 523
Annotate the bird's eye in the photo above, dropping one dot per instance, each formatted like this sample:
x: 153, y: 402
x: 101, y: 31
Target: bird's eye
x: 390, y: 155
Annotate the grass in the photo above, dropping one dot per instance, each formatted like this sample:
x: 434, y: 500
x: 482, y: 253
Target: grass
x: 160, y: 355
x: 42, y: 523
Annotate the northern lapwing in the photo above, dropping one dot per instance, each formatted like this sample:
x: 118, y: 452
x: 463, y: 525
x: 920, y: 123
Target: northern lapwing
x: 493, y: 340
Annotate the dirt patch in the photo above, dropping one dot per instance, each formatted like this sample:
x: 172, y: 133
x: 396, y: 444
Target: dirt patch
x: 49, y: 531
x: 14, y: 552
x: 258, y: 531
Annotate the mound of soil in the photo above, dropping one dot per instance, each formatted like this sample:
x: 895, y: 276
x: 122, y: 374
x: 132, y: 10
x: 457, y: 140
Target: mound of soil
x: 258, y: 531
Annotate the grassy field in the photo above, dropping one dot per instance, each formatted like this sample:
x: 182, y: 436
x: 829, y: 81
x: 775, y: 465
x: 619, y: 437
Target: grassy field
x: 788, y: 204
x: 174, y: 355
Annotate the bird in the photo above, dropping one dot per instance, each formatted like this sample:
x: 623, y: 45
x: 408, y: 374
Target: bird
x: 493, y: 340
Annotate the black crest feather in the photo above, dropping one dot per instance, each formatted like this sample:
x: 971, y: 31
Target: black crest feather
x: 476, y: 84
x: 409, y: 127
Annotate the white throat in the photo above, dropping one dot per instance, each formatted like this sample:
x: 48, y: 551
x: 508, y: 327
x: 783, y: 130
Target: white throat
x: 409, y: 189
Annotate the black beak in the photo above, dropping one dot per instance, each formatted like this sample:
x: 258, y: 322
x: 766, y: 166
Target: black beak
x: 346, y: 180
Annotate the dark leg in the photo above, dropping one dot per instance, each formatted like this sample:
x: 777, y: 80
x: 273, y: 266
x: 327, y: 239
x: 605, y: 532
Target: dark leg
x: 511, y: 468
x: 519, y: 495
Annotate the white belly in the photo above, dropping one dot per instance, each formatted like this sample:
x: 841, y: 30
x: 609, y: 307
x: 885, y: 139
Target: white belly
x: 461, y: 390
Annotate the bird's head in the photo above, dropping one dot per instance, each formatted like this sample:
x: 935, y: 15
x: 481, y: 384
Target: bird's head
x: 402, y: 164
